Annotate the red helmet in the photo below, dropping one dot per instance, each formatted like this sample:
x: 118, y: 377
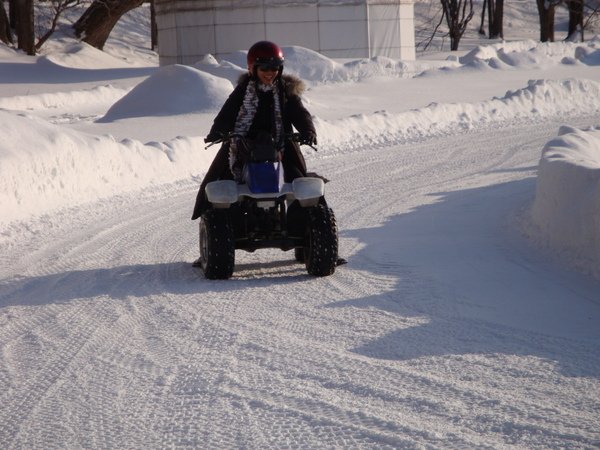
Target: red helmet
x: 265, y: 53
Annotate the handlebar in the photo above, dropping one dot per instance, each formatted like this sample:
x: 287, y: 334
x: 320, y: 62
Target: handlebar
x: 222, y: 137
x: 297, y: 137
x: 294, y: 137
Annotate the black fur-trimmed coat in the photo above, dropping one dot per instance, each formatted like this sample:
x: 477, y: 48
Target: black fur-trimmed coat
x: 293, y: 114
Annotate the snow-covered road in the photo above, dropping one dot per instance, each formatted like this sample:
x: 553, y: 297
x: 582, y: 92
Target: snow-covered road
x: 443, y: 330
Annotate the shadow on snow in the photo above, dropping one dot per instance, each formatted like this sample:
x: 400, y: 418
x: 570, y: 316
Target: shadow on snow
x: 49, y: 72
x: 141, y: 280
x: 459, y: 268
x: 466, y: 281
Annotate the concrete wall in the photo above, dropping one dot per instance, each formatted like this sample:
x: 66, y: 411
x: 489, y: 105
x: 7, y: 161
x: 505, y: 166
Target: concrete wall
x: 189, y: 29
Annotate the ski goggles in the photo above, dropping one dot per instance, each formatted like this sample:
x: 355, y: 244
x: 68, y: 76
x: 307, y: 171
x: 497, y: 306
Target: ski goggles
x: 268, y: 67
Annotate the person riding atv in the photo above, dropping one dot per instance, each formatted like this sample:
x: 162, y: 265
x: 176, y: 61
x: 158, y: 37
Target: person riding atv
x: 265, y: 101
x: 257, y: 192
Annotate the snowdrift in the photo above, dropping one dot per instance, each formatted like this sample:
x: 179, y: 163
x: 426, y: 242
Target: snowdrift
x: 529, y: 53
x: 175, y: 89
x: 100, y: 94
x: 223, y: 69
x: 80, y: 55
x: 314, y: 68
x: 566, y: 209
x: 540, y: 99
x: 50, y: 167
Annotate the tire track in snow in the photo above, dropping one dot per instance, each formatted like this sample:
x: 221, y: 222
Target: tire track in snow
x: 66, y: 338
x: 376, y: 355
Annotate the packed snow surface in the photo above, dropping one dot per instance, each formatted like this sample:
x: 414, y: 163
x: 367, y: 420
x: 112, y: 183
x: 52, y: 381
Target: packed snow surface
x: 466, y: 193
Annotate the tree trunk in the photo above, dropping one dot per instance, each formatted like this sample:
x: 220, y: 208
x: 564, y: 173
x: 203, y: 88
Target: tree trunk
x: 458, y: 14
x: 481, y: 26
x: 5, y: 31
x: 53, y: 24
x: 12, y: 14
x: 496, y: 19
x: 575, y: 18
x: 25, y: 30
x: 546, y: 13
x: 96, y: 23
x: 153, y: 26
x: 491, y: 8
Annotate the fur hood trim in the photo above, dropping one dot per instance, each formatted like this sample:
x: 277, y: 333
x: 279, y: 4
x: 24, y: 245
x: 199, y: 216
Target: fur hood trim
x: 293, y: 85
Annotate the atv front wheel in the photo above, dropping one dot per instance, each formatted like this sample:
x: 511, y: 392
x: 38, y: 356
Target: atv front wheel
x: 217, y: 245
x: 321, y: 246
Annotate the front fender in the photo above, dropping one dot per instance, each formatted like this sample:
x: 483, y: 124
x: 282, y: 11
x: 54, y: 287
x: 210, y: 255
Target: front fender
x: 222, y: 193
x: 308, y: 190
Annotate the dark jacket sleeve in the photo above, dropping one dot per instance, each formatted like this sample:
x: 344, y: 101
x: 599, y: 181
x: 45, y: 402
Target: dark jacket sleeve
x: 225, y: 120
x: 299, y: 116
x: 219, y: 168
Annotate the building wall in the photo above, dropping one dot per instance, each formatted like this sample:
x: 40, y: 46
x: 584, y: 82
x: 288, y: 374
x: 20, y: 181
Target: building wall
x: 391, y: 30
x: 189, y: 29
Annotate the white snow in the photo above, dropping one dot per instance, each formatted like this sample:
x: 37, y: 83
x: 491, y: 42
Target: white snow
x: 467, y: 192
x: 529, y: 53
x: 566, y: 210
x: 172, y: 90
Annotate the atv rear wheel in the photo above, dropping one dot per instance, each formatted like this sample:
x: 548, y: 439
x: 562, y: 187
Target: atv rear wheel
x: 321, y: 246
x: 217, y: 245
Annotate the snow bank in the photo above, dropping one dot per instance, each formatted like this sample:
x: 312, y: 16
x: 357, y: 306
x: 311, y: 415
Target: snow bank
x: 566, y: 209
x: 314, y: 68
x: 80, y: 55
x: 532, y: 54
x: 7, y: 52
x: 73, y: 99
x: 223, y: 69
x: 49, y: 167
x: 540, y: 99
x: 174, y: 89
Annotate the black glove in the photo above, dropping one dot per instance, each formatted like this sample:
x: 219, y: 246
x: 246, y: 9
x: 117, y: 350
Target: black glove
x: 308, y: 138
x: 213, y: 137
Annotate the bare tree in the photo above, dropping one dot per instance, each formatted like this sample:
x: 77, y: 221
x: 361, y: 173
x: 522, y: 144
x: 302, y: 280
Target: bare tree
x: 58, y: 7
x: 575, y: 8
x: 591, y: 15
x: 483, y: 9
x: 153, y: 26
x: 24, y: 25
x: 96, y: 23
x: 5, y: 31
x: 546, y: 10
x: 12, y: 14
x: 495, y: 10
x: 458, y: 14
x: 423, y: 35
x: 496, y: 17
